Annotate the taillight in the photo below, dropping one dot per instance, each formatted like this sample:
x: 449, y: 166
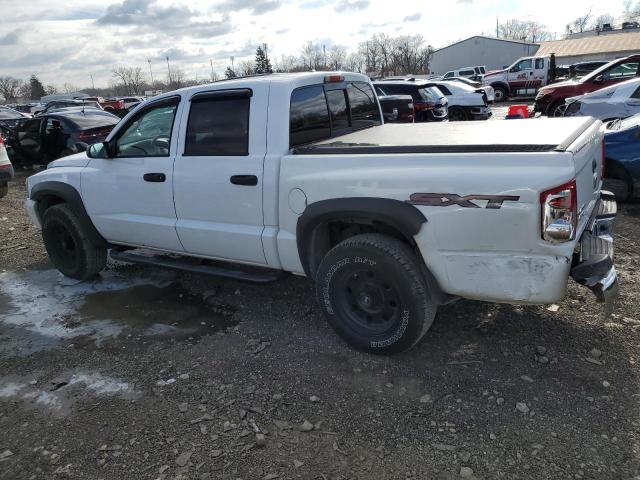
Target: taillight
x: 419, y: 106
x: 333, y: 78
x: 559, y: 213
x: 1, y: 140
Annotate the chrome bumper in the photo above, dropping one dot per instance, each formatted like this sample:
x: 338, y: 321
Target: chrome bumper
x: 593, y: 261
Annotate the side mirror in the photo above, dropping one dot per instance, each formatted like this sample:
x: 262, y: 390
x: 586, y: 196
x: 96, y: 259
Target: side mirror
x: 99, y: 150
x: 599, y: 79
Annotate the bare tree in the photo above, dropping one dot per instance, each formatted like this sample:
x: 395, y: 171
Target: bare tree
x: 580, y: 24
x: 601, y: 20
x: 132, y: 78
x: 69, y: 88
x: 631, y: 10
x: 336, y: 58
x: 524, y: 30
x: 311, y: 56
x: 245, y: 67
x: 411, y: 56
x: 354, y: 62
x: 10, y: 88
x: 51, y: 89
x: 286, y: 63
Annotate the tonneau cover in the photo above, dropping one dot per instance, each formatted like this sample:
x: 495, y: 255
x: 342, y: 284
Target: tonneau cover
x: 524, y: 135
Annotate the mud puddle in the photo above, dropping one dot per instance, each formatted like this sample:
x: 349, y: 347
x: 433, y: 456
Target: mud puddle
x: 42, y: 310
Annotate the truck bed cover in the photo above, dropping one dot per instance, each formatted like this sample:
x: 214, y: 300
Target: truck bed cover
x: 555, y: 134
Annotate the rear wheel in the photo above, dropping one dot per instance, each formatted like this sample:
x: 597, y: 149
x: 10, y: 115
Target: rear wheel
x: 618, y: 182
x: 4, y: 189
x: 68, y: 244
x: 457, y: 114
x: 373, y: 293
x: 558, y: 109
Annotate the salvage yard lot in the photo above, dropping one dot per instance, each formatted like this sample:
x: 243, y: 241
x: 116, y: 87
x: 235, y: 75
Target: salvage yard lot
x: 151, y: 374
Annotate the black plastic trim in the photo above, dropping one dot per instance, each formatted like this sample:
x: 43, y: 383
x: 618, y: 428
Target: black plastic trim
x: 340, y: 148
x: 72, y: 198
x: 236, y: 92
x: 402, y: 216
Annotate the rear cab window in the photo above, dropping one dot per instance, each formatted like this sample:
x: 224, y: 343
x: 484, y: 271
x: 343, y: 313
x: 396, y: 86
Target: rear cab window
x: 318, y: 112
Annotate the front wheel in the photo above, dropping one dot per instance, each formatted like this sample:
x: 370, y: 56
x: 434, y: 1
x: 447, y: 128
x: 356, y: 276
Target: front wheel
x: 558, y: 109
x: 457, y: 114
x: 69, y: 246
x: 373, y: 293
x: 499, y: 94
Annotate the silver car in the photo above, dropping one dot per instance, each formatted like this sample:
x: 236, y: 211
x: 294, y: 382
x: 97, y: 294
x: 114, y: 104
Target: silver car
x: 616, y: 101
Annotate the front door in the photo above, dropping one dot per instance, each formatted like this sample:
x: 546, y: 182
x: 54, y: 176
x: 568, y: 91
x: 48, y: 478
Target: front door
x: 218, y: 174
x: 521, y: 74
x: 28, y: 141
x: 129, y: 196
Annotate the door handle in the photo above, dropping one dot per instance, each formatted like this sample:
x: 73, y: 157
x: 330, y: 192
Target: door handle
x: 154, y: 177
x: 249, y: 180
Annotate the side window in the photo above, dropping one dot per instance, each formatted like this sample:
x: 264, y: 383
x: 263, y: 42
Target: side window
x: 636, y: 94
x: 523, y: 65
x: 364, y: 108
x: 539, y: 63
x: 467, y: 73
x: 379, y: 91
x: 337, y: 101
x: 148, y: 134
x: 54, y: 126
x: 444, y: 90
x: 218, y: 126
x: 622, y: 71
x: 308, y: 116
x: 449, y: 75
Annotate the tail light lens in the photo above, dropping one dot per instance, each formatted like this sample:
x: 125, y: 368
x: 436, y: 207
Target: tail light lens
x: 560, y: 213
x: 92, y: 134
x: 1, y: 139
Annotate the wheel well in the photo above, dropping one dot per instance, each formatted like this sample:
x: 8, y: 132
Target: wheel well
x: 614, y: 169
x: 500, y: 85
x: 47, y: 201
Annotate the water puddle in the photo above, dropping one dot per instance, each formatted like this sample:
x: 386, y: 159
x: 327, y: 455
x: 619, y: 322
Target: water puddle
x: 42, y: 310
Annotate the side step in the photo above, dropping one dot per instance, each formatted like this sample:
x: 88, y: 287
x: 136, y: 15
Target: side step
x: 206, y: 267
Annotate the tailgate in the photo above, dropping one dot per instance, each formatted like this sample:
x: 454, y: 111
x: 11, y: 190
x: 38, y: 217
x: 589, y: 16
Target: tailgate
x: 588, y: 160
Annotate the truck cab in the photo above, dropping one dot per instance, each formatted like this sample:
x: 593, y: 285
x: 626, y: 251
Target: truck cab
x: 522, y: 78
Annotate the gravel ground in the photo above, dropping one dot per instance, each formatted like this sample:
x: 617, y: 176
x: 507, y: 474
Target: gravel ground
x: 147, y: 374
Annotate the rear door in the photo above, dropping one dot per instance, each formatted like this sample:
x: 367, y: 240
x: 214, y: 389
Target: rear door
x: 218, y: 174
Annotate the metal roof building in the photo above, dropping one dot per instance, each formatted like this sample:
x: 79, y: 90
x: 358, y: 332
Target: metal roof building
x: 494, y: 53
x: 597, y: 47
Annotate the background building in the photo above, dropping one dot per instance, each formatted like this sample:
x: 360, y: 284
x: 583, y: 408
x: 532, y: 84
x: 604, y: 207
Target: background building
x: 595, y: 47
x: 493, y: 52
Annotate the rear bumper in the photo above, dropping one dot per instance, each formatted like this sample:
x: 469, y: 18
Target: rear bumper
x: 593, y: 261
x: 479, y: 113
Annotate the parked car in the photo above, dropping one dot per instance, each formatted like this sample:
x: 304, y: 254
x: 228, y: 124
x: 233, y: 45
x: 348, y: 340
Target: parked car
x: 39, y: 140
x: 10, y: 117
x: 551, y: 100
x: 477, y: 86
x: 27, y: 108
x: 622, y: 152
x: 617, y: 101
x: 581, y: 69
x: 397, y: 108
x: 389, y: 221
x: 131, y: 102
x: 6, y: 169
x: 429, y: 103
x: 60, y: 104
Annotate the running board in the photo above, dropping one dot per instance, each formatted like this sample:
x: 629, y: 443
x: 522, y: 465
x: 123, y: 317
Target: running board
x: 256, y: 275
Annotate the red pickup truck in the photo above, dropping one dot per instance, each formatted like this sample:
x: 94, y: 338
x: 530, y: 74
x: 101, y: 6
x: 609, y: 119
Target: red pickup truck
x: 113, y: 106
x: 551, y: 99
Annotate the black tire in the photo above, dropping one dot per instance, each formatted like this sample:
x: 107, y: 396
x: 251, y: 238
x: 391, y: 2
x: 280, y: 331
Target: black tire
x: 457, y: 114
x: 557, y: 109
x: 4, y: 189
x: 373, y: 293
x: 500, y: 94
x: 69, y: 246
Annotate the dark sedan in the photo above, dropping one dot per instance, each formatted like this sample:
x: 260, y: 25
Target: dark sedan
x: 39, y: 140
x: 622, y: 153
x: 9, y: 117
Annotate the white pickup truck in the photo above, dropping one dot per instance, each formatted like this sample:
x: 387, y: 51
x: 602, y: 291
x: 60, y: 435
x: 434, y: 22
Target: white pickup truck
x: 296, y: 173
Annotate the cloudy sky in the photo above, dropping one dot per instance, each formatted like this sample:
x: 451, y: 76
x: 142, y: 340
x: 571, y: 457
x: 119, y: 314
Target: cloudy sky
x: 70, y: 40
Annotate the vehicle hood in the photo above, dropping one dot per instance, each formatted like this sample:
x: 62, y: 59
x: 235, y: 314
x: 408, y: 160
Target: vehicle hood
x: 545, y: 134
x: 75, y: 160
x: 555, y: 86
x: 493, y: 73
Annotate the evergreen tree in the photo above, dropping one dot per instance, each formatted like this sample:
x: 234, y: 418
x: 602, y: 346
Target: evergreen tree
x: 263, y: 64
x: 228, y: 73
x: 36, y: 88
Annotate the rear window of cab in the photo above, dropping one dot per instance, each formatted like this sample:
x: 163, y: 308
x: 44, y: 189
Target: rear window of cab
x: 318, y: 112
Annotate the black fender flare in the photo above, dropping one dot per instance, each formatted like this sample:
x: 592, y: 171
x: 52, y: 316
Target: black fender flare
x: 402, y: 216
x: 71, y: 197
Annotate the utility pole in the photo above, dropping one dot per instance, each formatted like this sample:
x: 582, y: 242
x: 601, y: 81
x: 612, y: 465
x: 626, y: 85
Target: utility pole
x: 211, y: 62
x: 150, y: 72
x: 169, y: 69
x: 232, y: 67
x: 324, y: 54
x: 93, y: 86
x: 497, y: 30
